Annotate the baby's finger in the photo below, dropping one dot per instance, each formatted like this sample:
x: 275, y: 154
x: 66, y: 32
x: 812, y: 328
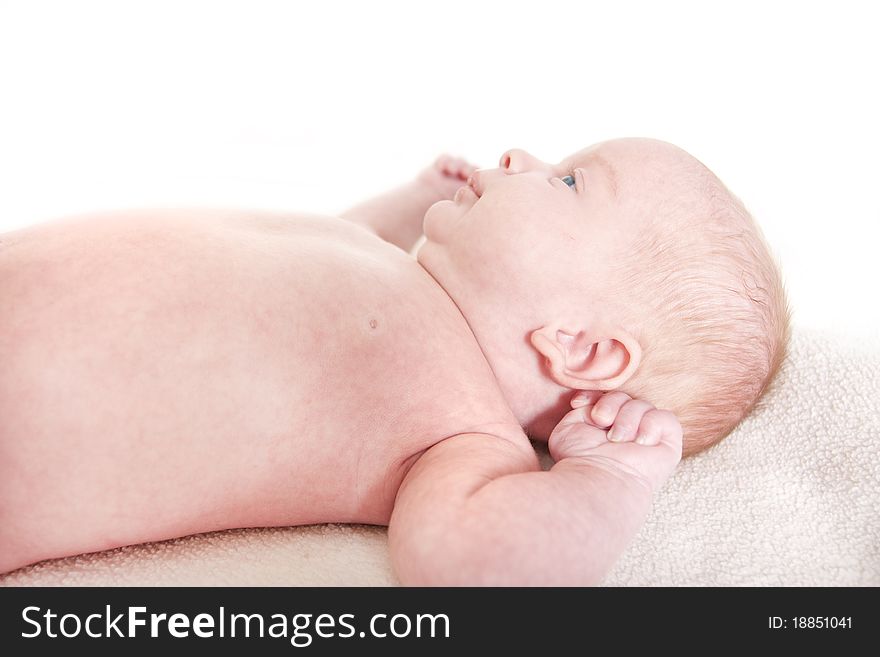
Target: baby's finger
x: 467, y: 168
x: 659, y: 425
x: 574, y: 436
x: 606, y: 409
x: 578, y: 415
x: 444, y: 162
x: 628, y: 420
x: 585, y: 398
x: 461, y: 168
x: 651, y: 429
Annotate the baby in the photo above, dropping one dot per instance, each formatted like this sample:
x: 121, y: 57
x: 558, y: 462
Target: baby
x: 168, y: 373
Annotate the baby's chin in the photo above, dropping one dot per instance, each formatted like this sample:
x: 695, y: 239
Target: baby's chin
x: 435, y: 224
x: 442, y: 217
x: 423, y: 242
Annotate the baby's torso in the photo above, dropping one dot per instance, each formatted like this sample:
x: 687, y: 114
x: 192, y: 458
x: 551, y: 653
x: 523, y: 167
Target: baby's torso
x: 246, y: 368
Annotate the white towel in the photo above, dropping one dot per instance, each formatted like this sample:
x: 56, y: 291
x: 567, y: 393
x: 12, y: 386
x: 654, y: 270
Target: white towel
x: 791, y: 498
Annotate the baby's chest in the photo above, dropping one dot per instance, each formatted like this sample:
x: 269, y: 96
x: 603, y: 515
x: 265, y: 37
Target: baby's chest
x: 363, y: 342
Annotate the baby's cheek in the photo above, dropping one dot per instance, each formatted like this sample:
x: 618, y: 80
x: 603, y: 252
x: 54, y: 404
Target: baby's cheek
x: 501, y: 245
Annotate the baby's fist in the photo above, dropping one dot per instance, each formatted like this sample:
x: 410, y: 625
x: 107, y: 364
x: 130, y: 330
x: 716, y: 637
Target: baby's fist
x: 445, y: 176
x: 628, y: 419
x: 604, y: 421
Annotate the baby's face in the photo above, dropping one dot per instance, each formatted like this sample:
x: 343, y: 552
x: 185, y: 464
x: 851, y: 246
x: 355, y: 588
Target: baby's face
x: 569, y: 287
x: 524, y: 254
x: 528, y: 231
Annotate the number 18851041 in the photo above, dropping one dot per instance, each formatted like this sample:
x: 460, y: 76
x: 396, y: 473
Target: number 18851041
x: 810, y: 623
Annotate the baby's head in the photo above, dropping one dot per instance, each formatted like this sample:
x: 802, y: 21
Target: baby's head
x: 641, y: 272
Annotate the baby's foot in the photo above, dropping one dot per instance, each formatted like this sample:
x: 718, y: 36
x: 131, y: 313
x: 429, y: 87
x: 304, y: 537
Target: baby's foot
x: 444, y: 177
x: 616, y: 431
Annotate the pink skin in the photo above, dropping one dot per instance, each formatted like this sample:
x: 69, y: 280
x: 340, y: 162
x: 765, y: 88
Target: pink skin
x: 474, y: 510
x: 506, y: 248
x: 396, y: 216
x: 502, y: 249
x: 612, y: 360
x: 446, y: 176
x: 597, y: 418
x: 620, y: 428
x: 288, y: 346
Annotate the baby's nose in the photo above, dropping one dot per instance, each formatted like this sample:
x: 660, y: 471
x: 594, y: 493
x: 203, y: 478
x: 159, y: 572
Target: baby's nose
x: 516, y: 160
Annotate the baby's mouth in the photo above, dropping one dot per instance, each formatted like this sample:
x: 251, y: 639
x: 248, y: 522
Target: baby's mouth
x: 472, y: 183
x: 463, y: 191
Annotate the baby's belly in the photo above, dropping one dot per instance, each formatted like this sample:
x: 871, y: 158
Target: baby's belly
x: 178, y: 373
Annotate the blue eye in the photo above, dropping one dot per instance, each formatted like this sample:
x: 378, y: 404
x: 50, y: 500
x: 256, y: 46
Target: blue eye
x: 569, y: 180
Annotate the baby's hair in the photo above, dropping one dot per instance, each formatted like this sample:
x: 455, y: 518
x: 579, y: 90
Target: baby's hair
x: 720, y: 319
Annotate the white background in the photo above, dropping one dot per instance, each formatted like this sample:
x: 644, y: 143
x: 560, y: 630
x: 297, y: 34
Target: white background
x: 316, y: 105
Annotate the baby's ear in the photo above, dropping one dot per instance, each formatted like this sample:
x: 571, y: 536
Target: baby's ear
x: 588, y: 359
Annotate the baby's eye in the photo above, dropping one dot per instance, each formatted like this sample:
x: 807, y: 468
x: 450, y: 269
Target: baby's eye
x: 569, y: 180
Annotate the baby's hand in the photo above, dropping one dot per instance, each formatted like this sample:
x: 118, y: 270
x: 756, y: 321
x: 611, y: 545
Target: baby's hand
x: 621, y: 429
x: 445, y: 176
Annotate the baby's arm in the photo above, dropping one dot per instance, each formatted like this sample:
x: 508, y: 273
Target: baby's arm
x: 476, y: 509
x: 396, y: 216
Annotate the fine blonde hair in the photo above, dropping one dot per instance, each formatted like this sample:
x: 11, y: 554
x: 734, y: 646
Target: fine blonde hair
x: 718, y: 321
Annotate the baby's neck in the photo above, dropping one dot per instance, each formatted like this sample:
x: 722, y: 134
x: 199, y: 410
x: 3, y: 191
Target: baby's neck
x: 537, y: 402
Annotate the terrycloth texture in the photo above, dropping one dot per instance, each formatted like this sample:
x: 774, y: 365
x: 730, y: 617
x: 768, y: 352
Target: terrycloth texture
x: 790, y: 498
